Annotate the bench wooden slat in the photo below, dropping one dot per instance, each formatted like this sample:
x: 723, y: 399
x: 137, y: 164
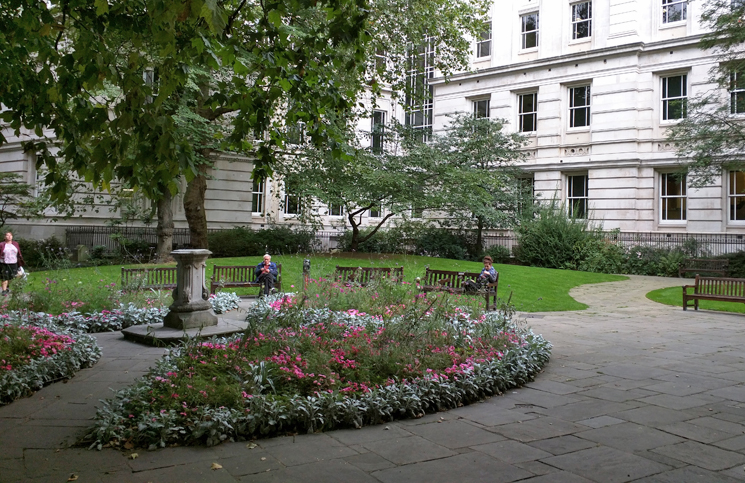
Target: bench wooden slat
x: 156, y: 278
x: 364, y: 275
x: 454, y: 282
x: 239, y: 276
x: 713, y: 288
x: 704, y: 265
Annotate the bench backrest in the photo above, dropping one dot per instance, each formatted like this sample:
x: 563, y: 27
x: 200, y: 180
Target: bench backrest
x: 162, y: 277
x: 363, y: 275
x: 238, y: 273
x: 447, y: 278
x: 705, y: 264
x: 730, y: 287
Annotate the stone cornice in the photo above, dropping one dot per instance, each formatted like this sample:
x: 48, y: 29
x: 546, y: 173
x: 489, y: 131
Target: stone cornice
x: 635, y: 48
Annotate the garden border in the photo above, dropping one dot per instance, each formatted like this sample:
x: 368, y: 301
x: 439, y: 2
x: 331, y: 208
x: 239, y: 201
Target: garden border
x: 264, y: 415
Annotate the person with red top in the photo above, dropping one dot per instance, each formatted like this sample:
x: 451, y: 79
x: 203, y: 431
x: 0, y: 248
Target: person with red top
x: 10, y: 260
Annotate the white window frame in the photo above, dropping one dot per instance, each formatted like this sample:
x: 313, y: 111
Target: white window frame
x: 666, y: 98
x: 291, y: 202
x: 737, y: 90
x: 577, y: 22
x: 734, y: 197
x: 522, y: 114
x: 375, y: 212
x: 666, y: 198
x: 483, y: 44
x: 587, y: 107
x: 258, y: 198
x: 524, y: 33
x: 335, y: 211
x: 481, y: 108
x: 583, y: 199
x: 679, y: 6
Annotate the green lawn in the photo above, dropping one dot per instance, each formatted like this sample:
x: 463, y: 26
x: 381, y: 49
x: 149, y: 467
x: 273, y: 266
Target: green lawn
x: 674, y: 296
x: 533, y: 289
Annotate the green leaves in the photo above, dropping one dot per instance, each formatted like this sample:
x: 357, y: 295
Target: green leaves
x: 102, y: 7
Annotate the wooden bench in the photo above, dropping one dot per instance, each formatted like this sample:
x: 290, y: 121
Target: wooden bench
x: 239, y: 276
x: 454, y: 282
x: 714, y: 288
x: 162, y: 278
x: 704, y: 265
x: 364, y: 275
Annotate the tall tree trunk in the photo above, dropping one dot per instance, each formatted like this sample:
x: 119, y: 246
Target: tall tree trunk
x: 165, y: 228
x: 355, y: 233
x: 194, y: 209
x: 479, y: 237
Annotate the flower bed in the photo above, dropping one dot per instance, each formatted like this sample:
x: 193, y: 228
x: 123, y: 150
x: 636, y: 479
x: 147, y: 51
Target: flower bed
x: 299, y: 369
x: 32, y: 356
x: 117, y: 319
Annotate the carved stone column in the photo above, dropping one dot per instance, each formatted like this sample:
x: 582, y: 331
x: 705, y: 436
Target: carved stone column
x: 190, y: 308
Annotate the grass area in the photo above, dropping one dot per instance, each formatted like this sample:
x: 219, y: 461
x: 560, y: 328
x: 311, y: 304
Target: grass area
x: 533, y: 289
x: 674, y: 296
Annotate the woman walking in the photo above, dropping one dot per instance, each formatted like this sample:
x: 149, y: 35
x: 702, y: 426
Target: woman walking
x: 10, y: 260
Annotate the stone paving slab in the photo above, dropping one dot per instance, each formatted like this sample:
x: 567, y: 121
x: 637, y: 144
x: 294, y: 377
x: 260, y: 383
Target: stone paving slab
x: 606, y: 464
x: 466, y: 468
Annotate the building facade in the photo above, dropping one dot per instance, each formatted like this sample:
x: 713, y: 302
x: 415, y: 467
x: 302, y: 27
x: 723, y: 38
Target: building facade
x: 594, y: 85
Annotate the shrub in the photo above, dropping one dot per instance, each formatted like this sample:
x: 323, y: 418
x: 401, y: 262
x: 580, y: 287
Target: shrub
x: 551, y: 239
x: 498, y: 253
x: 598, y: 254
x: 736, y: 264
x: 443, y: 243
x: 242, y: 241
x: 419, y: 238
x: 398, y: 238
x: 47, y: 254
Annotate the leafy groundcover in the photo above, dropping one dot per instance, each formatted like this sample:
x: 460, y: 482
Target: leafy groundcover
x: 299, y: 369
x: 34, y: 355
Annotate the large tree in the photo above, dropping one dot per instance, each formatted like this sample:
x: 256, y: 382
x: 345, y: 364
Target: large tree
x: 128, y: 87
x: 712, y: 136
x: 109, y: 79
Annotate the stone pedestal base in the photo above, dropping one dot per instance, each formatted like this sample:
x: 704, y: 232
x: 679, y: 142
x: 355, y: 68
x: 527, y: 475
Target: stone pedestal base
x: 190, y: 308
x: 190, y: 320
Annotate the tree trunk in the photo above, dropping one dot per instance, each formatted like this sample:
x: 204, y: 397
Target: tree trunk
x: 355, y: 234
x: 194, y: 209
x: 165, y: 228
x: 479, y: 238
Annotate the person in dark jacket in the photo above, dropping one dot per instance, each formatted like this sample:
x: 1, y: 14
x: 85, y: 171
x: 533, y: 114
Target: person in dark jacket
x: 266, y: 274
x: 10, y: 260
x: 488, y: 275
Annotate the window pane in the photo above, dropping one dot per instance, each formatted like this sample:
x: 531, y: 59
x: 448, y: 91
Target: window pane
x: 579, y: 97
x: 528, y: 103
x: 530, y: 40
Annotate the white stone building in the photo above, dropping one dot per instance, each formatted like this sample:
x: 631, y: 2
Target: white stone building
x: 594, y: 85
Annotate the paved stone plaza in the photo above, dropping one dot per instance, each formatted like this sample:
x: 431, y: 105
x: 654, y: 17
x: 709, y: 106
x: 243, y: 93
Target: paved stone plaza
x: 635, y: 391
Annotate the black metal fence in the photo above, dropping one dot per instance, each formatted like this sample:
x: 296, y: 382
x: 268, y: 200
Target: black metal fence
x: 108, y: 236
x: 699, y: 244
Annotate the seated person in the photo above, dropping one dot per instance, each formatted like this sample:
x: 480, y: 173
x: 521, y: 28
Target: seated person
x: 488, y: 275
x: 266, y: 274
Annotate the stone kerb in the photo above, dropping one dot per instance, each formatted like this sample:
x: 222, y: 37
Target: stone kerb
x: 190, y: 308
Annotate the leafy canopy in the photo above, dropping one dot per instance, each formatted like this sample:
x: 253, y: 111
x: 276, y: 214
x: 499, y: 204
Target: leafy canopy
x: 712, y: 134
x: 123, y: 89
